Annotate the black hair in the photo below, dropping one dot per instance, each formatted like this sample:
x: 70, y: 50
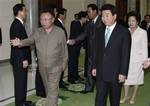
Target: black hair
x: 82, y: 14
x: 93, y: 7
x: 134, y: 14
x: 61, y: 11
x: 110, y: 7
x: 76, y: 15
x: 147, y: 15
x: 17, y: 8
x: 50, y: 11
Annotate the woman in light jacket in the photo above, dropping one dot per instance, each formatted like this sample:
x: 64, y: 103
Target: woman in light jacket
x: 139, y: 49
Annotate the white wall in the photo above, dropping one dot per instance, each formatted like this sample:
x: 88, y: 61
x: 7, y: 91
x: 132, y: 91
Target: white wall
x: 74, y: 6
x: 111, y: 1
x: 6, y: 18
x: 86, y: 2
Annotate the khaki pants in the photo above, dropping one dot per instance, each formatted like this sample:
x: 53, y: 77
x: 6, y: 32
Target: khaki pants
x: 51, y: 83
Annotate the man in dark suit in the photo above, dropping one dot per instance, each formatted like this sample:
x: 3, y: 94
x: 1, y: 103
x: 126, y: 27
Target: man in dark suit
x: 145, y: 24
x: 76, y: 18
x: 20, y: 57
x: 76, y: 28
x: 148, y: 35
x: 59, y: 21
x: 89, y: 34
x: 111, y: 57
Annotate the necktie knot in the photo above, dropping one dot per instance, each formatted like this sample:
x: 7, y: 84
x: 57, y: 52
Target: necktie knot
x: 107, y: 30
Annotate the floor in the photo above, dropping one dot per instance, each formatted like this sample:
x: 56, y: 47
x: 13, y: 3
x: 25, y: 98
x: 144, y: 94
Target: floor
x: 68, y: 98
x: 7, y: 83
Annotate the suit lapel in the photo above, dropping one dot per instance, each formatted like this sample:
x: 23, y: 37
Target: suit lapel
x: 97, y: 22
x: 63, y: 27
x: 103, y: 37
x: 92, y: 30
x: 99, y: 39
x: 112, y: 37
x: 24, y: 35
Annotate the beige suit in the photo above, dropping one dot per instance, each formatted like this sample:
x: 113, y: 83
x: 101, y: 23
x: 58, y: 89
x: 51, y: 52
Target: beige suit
x: 52, y: 56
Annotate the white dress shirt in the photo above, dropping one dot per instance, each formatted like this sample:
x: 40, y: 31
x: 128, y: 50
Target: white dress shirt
x: 111, y: 29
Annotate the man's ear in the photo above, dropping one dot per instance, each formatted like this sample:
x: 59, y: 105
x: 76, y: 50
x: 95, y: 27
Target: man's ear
x: 115, y: 15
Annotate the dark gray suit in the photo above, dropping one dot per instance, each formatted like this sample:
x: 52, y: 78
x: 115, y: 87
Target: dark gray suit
x: 60, y: 25
x: 89, y: 34
x: 109, y: 62
x: 18, y: 55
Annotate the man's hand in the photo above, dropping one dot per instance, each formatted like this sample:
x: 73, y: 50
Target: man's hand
x: 71, y: 42
x: 15, y: 42
x: 122, y: 78
x: 25, y: 64
x: 94, y: 72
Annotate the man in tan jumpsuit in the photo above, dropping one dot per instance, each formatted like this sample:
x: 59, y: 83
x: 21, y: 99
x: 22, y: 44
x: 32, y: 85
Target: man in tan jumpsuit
x: 52, y: 54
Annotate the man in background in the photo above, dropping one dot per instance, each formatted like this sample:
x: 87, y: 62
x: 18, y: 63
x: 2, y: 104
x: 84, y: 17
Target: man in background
x: 60, y: 18
x: 76, y: 28
x: 20, y: 57
x: 89, y: 34
x: 59, y: 21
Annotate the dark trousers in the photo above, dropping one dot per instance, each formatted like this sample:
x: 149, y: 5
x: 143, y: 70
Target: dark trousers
x: 20, y: 84
x: 39, y: 86
x: 90, y: 80
x: 61, y: 82
x: 148, y: 51
x: 105, y: 89
x: 74, y: 53
x: 85, y: 63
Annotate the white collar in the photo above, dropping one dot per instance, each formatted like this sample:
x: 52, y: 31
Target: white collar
x: 61, y: 21
x: 95, y: 19
x: 20, y: 20
x: 111, y: 27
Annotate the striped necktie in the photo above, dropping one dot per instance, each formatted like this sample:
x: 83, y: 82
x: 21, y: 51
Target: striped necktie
x: 107, y: 36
